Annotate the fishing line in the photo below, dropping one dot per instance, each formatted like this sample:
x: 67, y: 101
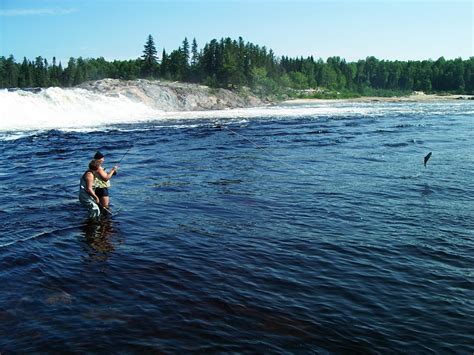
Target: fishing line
x: 254, y: 144
x: 38, y: 235
x: 267, y: 152
x: 125, y: 154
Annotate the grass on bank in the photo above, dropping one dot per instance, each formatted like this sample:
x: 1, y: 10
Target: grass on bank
x: 344, y: 94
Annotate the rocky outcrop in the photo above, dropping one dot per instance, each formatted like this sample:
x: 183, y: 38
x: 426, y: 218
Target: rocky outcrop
x: 173, y: 96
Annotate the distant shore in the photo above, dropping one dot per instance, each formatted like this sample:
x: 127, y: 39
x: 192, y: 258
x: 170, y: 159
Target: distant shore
x: 415, y: 97
x: 178, y: 96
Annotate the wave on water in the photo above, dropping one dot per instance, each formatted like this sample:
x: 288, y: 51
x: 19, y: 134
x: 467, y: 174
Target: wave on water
x: 82, y: 110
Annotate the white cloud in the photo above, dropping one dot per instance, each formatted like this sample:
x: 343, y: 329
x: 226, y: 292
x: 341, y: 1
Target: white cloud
x: 36, y: 12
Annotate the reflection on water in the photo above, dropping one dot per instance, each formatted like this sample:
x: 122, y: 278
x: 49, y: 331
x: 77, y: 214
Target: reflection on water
x: 426, y: 190
x: 98, y: 235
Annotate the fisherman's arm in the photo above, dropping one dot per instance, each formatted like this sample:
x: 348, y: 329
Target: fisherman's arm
x: 104, y: 175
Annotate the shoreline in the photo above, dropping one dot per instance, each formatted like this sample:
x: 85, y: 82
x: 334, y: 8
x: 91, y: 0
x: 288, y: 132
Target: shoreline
x: 179, y: 96
x: 420, y: 97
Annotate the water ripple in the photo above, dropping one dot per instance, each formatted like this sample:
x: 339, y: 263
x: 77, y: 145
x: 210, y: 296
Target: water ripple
x: 292, y: 233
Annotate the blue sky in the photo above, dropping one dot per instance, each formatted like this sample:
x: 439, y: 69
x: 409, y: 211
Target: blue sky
x: 351, y: 29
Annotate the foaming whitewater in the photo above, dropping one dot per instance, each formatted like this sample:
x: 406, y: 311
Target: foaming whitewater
x: 56, y: 108
x: 78, y: 109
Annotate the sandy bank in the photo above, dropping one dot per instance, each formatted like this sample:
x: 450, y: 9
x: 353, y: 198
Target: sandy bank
x: 416, y: 97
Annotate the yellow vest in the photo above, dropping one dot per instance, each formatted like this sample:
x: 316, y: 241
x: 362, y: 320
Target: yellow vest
x: 98, y: 182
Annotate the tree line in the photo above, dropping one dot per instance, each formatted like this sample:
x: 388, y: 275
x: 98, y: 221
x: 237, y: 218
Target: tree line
x: 235, y: 63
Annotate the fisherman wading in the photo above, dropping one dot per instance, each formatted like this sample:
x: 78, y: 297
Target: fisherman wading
x: 102, y: 182
x: 87, y: 195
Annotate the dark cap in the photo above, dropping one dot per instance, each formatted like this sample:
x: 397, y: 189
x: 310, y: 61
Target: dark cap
x: 98, y: 155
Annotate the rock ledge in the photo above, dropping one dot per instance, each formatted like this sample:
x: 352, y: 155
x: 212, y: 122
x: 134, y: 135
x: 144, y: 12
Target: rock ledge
x: 173, y: 96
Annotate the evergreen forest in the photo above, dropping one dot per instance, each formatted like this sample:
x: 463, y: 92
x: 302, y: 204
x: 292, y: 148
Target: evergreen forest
x: 228, y: 63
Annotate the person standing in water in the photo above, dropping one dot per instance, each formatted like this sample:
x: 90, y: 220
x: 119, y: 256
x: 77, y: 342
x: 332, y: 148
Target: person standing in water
x: 87, y: 195
x: 102, y: 182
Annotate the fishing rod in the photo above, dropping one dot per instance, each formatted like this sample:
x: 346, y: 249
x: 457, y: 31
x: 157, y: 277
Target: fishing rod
x: 123, y: 156
x: 106, y: 209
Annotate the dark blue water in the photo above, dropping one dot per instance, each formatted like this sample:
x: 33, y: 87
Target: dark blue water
x: 305, y: 233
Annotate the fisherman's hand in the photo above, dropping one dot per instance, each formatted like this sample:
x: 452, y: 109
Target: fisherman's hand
x: 97, y: 200
x: 115, y: 168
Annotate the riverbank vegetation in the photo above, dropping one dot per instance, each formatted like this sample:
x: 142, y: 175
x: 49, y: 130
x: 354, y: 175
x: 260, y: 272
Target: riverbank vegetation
x: 235, y: 64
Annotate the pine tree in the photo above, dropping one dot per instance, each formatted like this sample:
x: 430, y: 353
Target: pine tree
x: 176, y: 66
x: 195, y: 54
x: 46, y: 73
x: 194, y: 72
x: 184, y: 62
x: 39, y: 73
x: 149, y: 57
x: 69, y: 73
x: 60, y: 73
x: 24, y: 78
x: 53, y: 73
x: 80, y: 74
x: 164, y: 67
x: 11, y: 72
x: 186, y: 51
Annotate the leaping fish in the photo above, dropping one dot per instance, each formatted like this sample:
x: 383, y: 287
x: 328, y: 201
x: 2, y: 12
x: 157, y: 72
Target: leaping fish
x: 428, y: 156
